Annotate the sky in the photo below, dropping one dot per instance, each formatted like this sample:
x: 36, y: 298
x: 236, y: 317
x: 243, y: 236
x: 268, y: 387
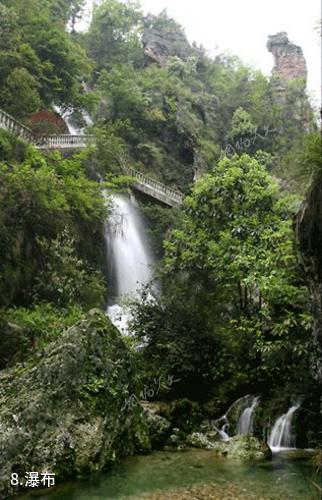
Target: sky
x: 242, y: 28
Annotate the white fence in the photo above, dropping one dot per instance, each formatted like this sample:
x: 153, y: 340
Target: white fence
x: 15, y: 128
x: 157, y: 189
x: 144, y: 183
x: 65, y: 141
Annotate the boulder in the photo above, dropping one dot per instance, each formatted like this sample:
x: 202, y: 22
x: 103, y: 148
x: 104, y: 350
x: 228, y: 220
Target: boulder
x: 199, y: 440
x: 158, y: 427
x: 244, y: 447
x: 66, y: 411
x: 159, y: 46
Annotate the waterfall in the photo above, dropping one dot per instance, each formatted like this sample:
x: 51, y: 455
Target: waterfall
x: 128, y: 257
x: 67, y: 116
x: 244, y: 408
x: 223, y: 432
x: 246, y: 419
x: 281, y: 435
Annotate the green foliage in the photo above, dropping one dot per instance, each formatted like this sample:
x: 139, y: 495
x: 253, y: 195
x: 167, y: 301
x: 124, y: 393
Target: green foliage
x: 39, y: 199
x: 171, y: 118
x: 231, y: 288
x: 20, y: 93
x: 24, y: 330
x: 113, y: 36
x: 162, y: 23
x: 40, y: 63
x: 125, y: 97
x: 310, y: 158
x: 178, y: 339
x: 149, y: 118
x: 12, y: 148
x: 241, y: 125
x: 64, y: 279
x: 183, y: 414
x: 159, y: 220
x: 110, y: 147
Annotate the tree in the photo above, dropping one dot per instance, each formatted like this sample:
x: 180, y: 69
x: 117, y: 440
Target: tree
x: 231, y: 261
x: 64, y: 279
x: 75, y: 12
x: 162, y: 23
x: 113, y: 37
x: 20, y: 93
x: 39, y: 62
x: 39, y: 199
x: 241, y: 125
x: 124, y: 95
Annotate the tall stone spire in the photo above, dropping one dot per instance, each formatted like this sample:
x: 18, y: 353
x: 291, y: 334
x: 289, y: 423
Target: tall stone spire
x: 289, y: 60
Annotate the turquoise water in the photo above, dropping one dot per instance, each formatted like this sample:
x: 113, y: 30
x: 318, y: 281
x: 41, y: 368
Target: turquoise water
x: 282, y: 478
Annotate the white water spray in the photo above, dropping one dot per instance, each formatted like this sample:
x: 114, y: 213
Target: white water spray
x: 246, y: 419
x: 128, y: 255
x: 67, y: 116
x: 245, y: 407
x: 281, y: 436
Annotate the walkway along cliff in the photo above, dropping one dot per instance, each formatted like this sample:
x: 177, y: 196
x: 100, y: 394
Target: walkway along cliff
x: 143, y: 183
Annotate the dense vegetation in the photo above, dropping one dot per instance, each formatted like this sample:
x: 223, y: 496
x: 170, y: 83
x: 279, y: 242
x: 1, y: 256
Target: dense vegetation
x: 234, y: 314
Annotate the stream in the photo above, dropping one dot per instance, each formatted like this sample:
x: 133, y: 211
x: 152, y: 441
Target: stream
x: 162, y: 473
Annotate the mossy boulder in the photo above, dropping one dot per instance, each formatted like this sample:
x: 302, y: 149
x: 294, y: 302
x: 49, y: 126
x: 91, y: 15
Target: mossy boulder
x: 66, y: 411
x: 244, y: 447
x: 199, y: 440
x: 184, y: 414
x: 158, y: 427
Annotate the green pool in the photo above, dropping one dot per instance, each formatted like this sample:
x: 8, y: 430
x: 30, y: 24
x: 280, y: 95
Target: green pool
x: 282, y: 478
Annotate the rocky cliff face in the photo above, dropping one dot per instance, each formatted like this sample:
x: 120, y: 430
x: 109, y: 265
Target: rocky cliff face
x: 159, y: 46
x: 289, y: 78
x: 289, y: 60
x: 309, y: 234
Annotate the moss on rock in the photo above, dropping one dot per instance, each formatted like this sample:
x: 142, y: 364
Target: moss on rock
x: 66, y: 413
x: 199, y: 440
x: 244, y: 447
x: 158, y: 427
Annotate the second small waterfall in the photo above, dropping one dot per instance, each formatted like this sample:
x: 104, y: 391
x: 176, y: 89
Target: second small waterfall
x: 281, y: 435
x: 242, y: 422
x: 246, y: 419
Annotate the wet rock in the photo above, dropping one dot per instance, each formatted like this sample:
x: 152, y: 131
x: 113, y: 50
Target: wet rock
x: 244, y: 448
x: 158, y: 427
x: 199, y: 440
x: 174, y: 440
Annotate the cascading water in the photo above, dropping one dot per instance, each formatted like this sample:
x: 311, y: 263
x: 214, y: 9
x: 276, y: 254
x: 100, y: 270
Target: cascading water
x: 67, y: 115
x: 128, y: 257
x: 223, y: 432
x: 244, y: 407
x: 246, y: 419
x: 281, y: 436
